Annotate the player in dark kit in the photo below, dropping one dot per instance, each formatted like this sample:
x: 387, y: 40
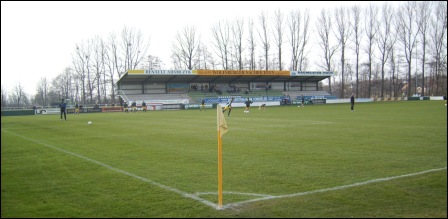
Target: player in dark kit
x: 248, y: 102
x: 63, y: 106
x: 76, y: 109
x: 125, y: 107
x: 202, y: 104
x: 352, y: 102
x: 134, y: 106
x: 303, y: 101
x: 144, y: 106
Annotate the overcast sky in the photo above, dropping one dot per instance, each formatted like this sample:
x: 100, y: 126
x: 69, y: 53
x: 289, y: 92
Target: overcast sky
x: 39, y: 38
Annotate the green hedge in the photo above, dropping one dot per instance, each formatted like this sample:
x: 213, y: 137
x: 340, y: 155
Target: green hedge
x: 17, y: 112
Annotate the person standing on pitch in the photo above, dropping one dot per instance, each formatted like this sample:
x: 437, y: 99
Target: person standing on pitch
x: 76, y: 109
x: 63, y: 106
x: 303, y: 101
x: 352, y: 102
x: 248, y: 102
x: 134, y: 106
x: 125, y: 107
x: 202, y: 104
x: 144, y: 106
x: 228, y: 106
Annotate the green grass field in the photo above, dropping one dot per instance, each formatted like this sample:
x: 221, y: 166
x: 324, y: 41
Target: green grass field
x: 386, y: 159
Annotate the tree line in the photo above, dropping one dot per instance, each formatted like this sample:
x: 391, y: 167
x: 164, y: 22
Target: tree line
x: 375, y: 51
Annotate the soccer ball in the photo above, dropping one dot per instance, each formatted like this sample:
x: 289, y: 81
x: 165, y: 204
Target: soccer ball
x: 89, y: 122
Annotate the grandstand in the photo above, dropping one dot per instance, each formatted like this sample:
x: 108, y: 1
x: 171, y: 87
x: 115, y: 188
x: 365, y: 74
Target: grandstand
x: 181, y: 87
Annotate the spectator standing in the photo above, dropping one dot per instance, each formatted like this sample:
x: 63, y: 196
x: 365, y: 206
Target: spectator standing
x: 352, y: 102
x: 63, y: 107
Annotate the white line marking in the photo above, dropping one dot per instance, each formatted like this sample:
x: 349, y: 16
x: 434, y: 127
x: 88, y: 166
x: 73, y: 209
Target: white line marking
x: 333, y: 188
x: 236, y: 204
x: 185, y: 194
x: 233, y: 193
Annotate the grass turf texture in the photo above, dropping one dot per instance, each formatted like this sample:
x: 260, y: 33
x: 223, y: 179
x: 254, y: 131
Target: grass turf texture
x: 145, y: 164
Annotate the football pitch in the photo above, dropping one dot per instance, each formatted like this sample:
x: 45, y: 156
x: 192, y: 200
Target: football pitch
x: 385, y: 159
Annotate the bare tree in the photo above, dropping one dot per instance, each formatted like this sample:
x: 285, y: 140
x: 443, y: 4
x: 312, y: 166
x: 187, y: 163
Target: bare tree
x: 221, y: 36
x: 204, y: 58
x: 4, y: 96
x: 252, y: 45
x: 114, y: 63
x: 393, y: 79
x: 278, y: 36
x: 99, y: 53
x: 176, y: 61
x: 63, y: 83
x: 110, y: 73
x: 42, y: 91
x: 324, y: 30
x: 104, y: 83
x: 97, y: 63
x: 76, y: 86
x: 185, y: 48
x: 89, y: 76
x: 298, y: 39
x: 304, y: 41
x: 117, y: 61
x: 407, y: 34
x: 385, y: 39
x: 370, y: 27
x: 18, y: 95
x: 237, y: 32
x: 209, y: 59
x: 154, y: 63
x: 134, y: 46
x: 343, y: 34
x: 424, y: 11
x: 294, y: 21
x: 264, y: 36
x: 200, y: 58
x: 81, y: 68
x: 58, y: 86
x: 357, y: 34
x: 438, y: 39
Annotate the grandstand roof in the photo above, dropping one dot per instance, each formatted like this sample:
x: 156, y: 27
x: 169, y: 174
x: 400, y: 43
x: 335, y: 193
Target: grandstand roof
x: 220, y: 76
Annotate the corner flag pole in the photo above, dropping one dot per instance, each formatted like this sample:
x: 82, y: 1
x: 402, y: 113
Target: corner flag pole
x: 219, y: 170
x: 222, y: 129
